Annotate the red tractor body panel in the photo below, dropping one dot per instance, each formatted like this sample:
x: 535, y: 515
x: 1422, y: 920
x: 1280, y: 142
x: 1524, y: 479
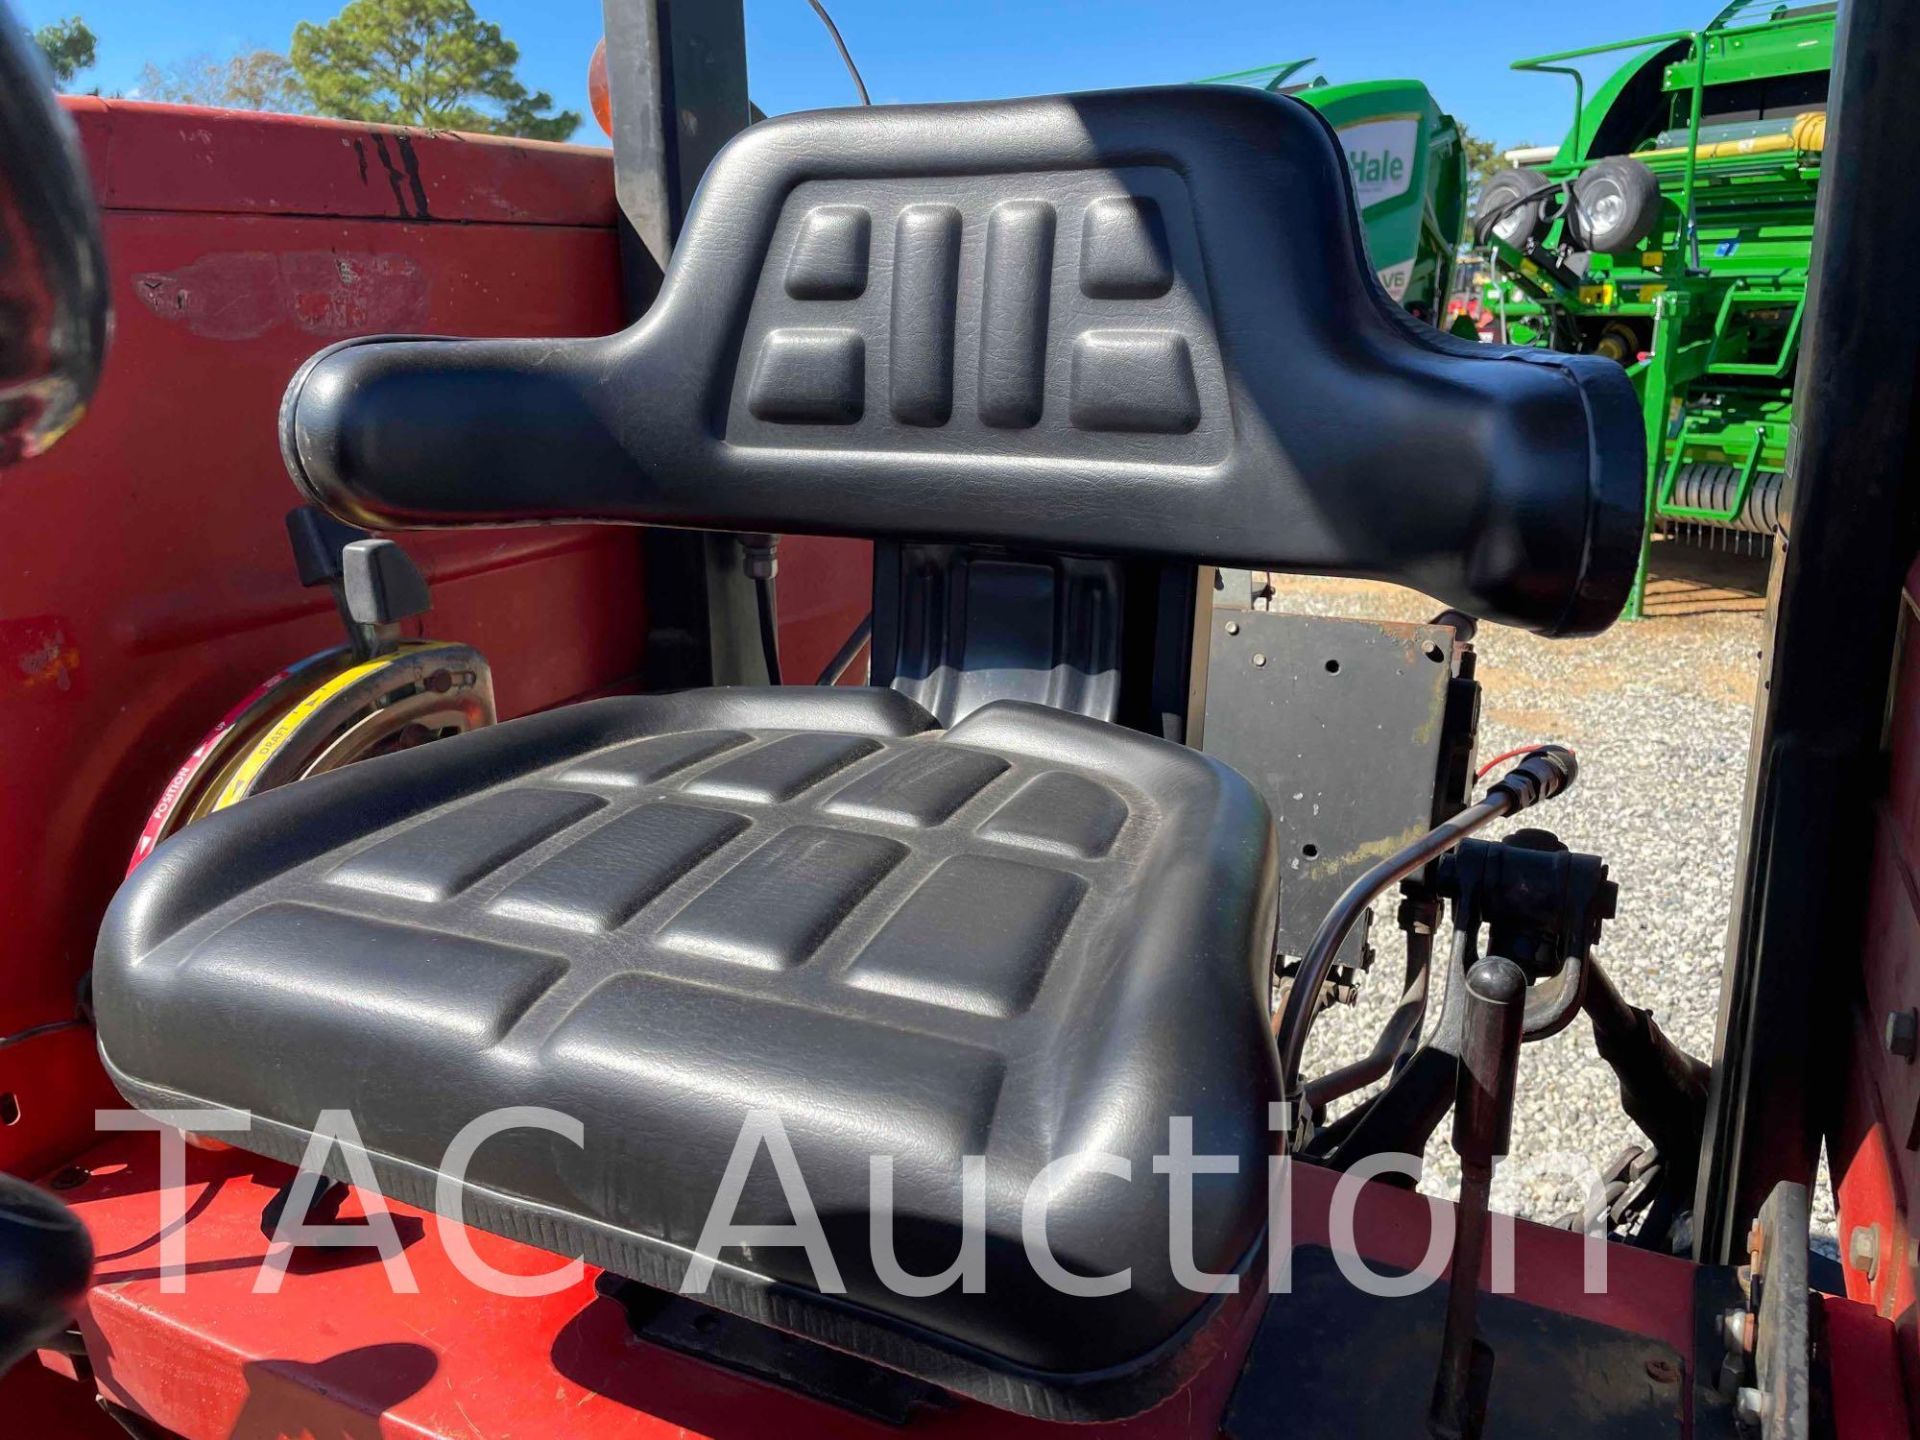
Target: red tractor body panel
x: 337, y: 1352
x: 153, y: 583
x: 1875, y: 1152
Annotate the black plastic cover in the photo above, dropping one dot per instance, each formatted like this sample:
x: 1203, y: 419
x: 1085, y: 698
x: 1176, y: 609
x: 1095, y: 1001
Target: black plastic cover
x: 1136, y: 323
x: 1031, y: 936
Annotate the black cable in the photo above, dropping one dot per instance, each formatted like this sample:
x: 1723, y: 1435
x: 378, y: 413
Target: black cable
x: 841, y: 46
x: 769, y: 631
x: 760, y: 562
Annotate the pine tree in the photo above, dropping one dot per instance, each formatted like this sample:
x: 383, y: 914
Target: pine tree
x: 432, y: 63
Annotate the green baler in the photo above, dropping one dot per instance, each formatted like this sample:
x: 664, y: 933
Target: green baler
x: 1672, y: 231
x: 1409, y: 174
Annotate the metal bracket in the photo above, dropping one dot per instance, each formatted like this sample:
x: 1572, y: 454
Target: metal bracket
x: 1356, y: 732
x: 1768, y: 1343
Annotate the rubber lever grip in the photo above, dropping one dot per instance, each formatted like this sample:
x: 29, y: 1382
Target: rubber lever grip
x: 1489, y: 1060
x: 382, y: 584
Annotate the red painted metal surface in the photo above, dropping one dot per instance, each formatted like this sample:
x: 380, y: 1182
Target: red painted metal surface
x: 336, y: 1352
x: 825, y: 590
x: 181, y: 158
x: 1869, y: 1402
x: 42, y: 1404
x: 1873, y: 1148
x: 149, y: 583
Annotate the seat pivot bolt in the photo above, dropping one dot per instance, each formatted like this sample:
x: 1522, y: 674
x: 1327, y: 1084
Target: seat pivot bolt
x: 1863, y: 1250
x: 1903, y: 1034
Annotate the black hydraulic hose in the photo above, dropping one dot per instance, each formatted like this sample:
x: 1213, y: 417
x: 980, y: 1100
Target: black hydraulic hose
x: 1296, y: 1017
x: 847, y: 653
x: 1541, y: 775
x: 1401, y: 1027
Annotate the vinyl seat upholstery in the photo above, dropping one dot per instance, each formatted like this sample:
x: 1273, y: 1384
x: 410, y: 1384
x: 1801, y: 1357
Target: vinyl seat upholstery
x: 1027, y: 937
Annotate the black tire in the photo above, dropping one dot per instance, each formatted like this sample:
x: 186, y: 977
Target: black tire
x: 1616, y: 205
x: 1513, y: 205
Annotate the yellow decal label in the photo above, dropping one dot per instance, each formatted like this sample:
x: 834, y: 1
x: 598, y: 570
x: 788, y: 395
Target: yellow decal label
x: 275, y: 740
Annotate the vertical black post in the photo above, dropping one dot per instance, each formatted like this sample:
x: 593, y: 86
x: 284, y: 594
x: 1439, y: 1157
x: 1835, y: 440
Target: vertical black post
x: 1482, y: 1134
x: 677, y: 77
x: 1815, y: 769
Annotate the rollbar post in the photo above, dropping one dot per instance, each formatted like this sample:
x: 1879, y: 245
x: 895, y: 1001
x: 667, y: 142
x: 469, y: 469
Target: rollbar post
x: 677, y: 81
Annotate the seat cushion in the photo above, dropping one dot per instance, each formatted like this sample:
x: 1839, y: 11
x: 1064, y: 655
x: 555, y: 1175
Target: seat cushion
x: 1030, y: 936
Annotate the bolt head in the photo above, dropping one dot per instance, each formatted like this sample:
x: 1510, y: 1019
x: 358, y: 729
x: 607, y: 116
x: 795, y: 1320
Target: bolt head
x: 1863, y: 1250
x: 1736, y: 1326
x: 1903, y: 1034
x: 1259, y: 660
x: 1233, y: 627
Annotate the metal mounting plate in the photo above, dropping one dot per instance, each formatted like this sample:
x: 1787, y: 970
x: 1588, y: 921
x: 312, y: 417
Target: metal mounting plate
x: 1341, y: 725
x: 1330, y: 1360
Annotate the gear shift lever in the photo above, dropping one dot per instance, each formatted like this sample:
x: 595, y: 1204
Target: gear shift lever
x: 1482, y: 1129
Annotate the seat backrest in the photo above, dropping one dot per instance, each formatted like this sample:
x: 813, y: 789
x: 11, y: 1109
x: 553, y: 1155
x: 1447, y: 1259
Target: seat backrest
x: 1136, y: 323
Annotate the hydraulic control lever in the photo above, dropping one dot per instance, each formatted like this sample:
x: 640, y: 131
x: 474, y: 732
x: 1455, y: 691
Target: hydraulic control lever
x: 375, y: 583
x: 1482, y: 1133
x: 1540, y: 775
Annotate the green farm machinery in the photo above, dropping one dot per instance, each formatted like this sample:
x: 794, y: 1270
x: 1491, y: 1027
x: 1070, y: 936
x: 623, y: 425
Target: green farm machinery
x: 1671, y: 230
x: 1409, y: 173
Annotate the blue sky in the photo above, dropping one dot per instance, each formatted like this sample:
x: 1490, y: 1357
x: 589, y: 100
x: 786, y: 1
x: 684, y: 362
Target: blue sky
x: 965, y: 49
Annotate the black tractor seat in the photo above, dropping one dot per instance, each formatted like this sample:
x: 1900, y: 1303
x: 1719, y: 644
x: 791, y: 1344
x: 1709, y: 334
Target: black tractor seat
x: 1132, y: 325
x: 1027, y: 937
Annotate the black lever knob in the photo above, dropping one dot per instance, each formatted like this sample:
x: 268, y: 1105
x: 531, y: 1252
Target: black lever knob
x: 383, y: 585
x: 1489, y: 1060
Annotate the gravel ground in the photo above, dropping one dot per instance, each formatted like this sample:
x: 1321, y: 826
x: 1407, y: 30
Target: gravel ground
x: 1646, y: 706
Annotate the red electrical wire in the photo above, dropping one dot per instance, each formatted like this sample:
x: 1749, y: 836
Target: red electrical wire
x: 1517, y: 750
